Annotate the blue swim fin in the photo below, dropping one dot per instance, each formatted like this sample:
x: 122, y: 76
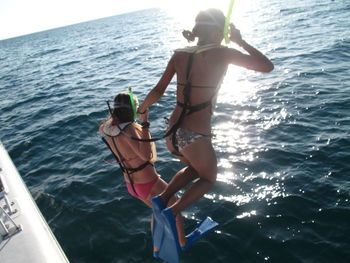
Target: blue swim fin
x: 158, y: 226
x: 169, y: 249
x: 200, y: 230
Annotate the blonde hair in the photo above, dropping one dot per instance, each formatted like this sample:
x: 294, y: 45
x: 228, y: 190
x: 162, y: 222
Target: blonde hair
x: 207, y: 21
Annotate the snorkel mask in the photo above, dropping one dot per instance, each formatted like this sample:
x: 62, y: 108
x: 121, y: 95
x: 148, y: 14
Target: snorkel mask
x: 224, y: 26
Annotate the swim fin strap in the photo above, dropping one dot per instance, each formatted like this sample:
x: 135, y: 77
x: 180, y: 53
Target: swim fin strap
x: 165, y: 235
x: 199, y: 231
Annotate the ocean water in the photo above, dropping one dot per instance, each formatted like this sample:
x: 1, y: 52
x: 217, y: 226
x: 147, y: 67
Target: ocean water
x: 282, y: 138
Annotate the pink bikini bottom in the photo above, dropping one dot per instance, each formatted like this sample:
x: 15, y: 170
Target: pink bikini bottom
x: 142, y: 190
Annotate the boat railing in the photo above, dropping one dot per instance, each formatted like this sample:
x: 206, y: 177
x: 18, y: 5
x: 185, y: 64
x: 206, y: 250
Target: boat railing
x: 7, y: 226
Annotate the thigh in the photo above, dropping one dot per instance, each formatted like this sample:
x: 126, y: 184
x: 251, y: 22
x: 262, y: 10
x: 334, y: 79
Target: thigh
x: 172, y: 150
x: 158, y: 188
x: 202, y: 158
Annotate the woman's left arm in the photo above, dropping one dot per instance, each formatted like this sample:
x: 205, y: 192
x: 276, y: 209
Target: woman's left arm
x: 157, y: 92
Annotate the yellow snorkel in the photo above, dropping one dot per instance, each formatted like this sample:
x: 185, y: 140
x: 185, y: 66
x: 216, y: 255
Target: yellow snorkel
x: 227, y: 22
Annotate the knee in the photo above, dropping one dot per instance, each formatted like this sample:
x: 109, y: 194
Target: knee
x: 212, y: 179
x: 190, y: 172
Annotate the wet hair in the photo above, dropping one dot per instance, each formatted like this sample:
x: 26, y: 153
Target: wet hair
x: 122, y: 109
x: 207, y: 21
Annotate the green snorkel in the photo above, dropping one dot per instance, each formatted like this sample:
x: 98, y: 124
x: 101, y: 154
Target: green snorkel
x: 131, y: 95
x: 227, y: 22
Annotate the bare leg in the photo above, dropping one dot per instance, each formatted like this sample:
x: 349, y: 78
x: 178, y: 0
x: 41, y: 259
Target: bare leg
x: 202, y: 158
x: 156, y: 190
x: 180, y: 180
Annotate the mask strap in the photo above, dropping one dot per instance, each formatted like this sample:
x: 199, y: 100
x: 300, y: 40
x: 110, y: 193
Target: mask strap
x: 109, y: 107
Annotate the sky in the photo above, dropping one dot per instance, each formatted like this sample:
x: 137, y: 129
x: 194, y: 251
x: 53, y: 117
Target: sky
x: 21, y: 17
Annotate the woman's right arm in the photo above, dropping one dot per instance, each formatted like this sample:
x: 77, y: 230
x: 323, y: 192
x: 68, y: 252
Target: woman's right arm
x: 254, y: 60
x: 157, y: 92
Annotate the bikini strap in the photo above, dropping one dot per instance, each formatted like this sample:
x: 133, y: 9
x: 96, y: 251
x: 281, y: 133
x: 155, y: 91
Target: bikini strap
x: 194, y: 86
x: 142, y: 166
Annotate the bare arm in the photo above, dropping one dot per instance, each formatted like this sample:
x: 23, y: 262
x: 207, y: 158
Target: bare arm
x: 157, y: 92
x: 254, y: 61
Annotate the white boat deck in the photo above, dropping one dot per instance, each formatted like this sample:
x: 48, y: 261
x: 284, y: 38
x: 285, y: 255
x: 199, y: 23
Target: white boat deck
x: 25, y: 237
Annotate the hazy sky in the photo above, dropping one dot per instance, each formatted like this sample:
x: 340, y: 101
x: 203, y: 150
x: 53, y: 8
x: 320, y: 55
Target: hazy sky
x: 20, y: 17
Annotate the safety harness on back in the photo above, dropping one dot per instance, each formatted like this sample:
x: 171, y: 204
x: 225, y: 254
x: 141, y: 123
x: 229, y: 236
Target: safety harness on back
x: 188, y: 109
x: 128, y: 171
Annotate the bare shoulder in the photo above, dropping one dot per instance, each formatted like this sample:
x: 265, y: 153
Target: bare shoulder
x: 132, y: 129
x: 232, y: 52
x: 178, y: 56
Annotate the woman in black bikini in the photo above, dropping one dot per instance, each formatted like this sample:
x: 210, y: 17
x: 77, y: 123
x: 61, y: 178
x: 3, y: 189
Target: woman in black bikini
x: 199, y: 71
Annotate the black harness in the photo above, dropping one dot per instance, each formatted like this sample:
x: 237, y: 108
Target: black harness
x: 198, y: 107
x: 128, y: 171
x: 187, y: 109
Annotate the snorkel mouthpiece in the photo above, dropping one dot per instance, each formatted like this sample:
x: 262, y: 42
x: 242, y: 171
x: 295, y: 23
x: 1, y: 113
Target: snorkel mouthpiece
x: 131, y: 95
x: 227, y: 22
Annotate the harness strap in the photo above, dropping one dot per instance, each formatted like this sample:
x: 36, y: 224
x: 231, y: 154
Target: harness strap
x: 185, y: 107
x: 115, y: 156
x: 142, y: 166
x: 195, y: 108
x: 196, y: 86
x: 121, y: 164
x: 186, y: 94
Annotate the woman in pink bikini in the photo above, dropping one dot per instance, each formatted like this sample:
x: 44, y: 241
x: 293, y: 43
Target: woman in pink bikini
x: 135, y: 157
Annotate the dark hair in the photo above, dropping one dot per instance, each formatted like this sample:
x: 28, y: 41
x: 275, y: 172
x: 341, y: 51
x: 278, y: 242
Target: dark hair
x: 122, y: 108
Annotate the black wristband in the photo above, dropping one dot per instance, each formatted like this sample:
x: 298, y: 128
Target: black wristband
x: 139, y: 112
x: 145, y: 124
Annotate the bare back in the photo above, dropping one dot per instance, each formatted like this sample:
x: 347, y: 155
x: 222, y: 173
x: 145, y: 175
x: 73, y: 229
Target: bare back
x: 131, y: 155
x: 207, y: 71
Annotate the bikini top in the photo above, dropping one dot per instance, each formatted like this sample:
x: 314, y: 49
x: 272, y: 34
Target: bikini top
x: 114, y: 131
x: 212, y: 101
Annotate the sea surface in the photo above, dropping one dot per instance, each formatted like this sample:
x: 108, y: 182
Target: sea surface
x: 281, y: 138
